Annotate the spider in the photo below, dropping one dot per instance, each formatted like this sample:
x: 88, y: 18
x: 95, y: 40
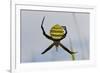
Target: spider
x: 56, y: 37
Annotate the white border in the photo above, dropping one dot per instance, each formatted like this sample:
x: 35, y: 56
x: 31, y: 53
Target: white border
x: 15, y: 39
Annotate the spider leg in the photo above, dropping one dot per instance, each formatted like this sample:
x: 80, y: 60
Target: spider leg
x: 48, y: 48
x: 66, y: 49
x: 44, y: 33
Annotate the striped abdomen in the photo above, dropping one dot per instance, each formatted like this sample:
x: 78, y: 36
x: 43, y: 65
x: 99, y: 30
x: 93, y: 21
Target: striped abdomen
x: 57, y: 31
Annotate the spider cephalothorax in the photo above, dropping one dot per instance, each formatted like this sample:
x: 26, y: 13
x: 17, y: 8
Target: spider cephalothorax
x: 57, y: 33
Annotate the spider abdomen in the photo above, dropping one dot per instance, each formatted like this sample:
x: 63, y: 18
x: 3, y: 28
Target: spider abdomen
x: 57, y: 31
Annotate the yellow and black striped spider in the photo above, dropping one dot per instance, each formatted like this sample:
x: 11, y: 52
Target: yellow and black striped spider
x: 57, y: 33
